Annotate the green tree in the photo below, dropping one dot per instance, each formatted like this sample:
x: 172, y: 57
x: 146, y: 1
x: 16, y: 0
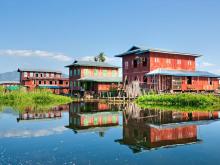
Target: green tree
x: 100, y: 57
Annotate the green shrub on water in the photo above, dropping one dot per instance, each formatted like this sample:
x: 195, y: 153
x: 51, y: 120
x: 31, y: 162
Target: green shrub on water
x: 183, y: 99
x: 21, y: 98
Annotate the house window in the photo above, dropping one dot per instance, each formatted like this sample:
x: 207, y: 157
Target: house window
x: 189, y: 80
x: 36, y: 74
x: 61, y: 82
x: 114, y: 73
x: 189, y: 62
x: 86, y: 72
x: 104, y: 72
x: 145, y: 79
x: 71, y: 84
x: 31, y: 74
x: 41, y: 75
x: 178, y: 62
x: 168, y: 61
x: 39, y: 82
x: 126, y: 64
x: 45, y: 82
x: 51, y: 82
x: 25, y: 74
x: 156, y: 60
x: 209, y: 81
x: 71, y: 73
x: 96, y: 72
x: 66, y: 82
x: 75, y: 84
x: 144, y: 61
x: 78, y: 71
x: 74, y: 72
x: 135, y: 63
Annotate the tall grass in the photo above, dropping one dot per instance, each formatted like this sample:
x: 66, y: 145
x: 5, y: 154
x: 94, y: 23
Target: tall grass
x: 183, y: 99
x: 40, y: 98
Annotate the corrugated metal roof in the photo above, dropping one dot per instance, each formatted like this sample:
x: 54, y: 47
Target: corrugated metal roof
x: 92, y: 63
x: 37, y: 70
x: 140, y: 50
x: 50, y: 86
x: 102, y: 79
x: 168, y: 72
x: 133, y: 49
x: 12, y: 88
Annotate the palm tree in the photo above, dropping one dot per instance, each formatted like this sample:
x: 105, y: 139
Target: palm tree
x: 100, y: 57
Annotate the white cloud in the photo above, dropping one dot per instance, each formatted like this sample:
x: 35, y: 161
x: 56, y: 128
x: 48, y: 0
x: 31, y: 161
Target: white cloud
x: 87, y: 58
x: 217, y: 71
x: 36, y: 53
x: 207, y: 64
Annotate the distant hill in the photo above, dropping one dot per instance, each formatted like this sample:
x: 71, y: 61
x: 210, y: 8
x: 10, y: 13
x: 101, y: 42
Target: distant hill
x: 14, y: 76
x: 9, y: 76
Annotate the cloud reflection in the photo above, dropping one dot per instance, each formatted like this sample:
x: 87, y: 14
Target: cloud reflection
x: 32, y: 133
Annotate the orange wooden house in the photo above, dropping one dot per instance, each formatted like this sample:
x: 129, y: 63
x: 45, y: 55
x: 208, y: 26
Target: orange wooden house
x: 93, y: 76
x: 162, y: 70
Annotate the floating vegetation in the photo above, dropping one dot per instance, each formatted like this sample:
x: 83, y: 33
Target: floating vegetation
x: 40, y: 98
x: 183, y: 101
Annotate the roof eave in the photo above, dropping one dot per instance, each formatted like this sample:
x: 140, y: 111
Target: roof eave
x: 32, y: 70
x: 68, y: 66
x: 170, y: 52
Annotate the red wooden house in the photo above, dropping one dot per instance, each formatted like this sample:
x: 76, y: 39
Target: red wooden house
x: 93, y: 76
x: 166, y: 70
x: 48, y: 79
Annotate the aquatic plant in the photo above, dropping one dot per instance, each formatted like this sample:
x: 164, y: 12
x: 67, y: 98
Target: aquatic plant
x: 180, y: 100
x: 37, y: 98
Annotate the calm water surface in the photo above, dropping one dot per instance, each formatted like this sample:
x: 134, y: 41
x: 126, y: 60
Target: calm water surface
x: 97, y: 133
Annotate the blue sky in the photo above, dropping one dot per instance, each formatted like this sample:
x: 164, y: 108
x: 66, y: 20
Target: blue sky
x: 51, y: 33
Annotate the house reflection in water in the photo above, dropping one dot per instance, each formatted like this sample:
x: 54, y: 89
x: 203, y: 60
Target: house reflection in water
x: 93, y: 117
x: 34, y: 114
x: 152, y: 129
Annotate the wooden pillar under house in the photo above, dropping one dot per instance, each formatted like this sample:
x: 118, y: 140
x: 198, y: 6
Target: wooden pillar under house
x: 172, y: 83
x: 159, y: 83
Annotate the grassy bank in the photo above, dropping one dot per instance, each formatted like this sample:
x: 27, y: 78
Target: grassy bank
x: 36, y: 98
x: 179, y: 100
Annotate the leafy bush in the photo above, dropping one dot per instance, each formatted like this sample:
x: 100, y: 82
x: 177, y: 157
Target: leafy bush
x: 22, y: 98
x: 186, y: 99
